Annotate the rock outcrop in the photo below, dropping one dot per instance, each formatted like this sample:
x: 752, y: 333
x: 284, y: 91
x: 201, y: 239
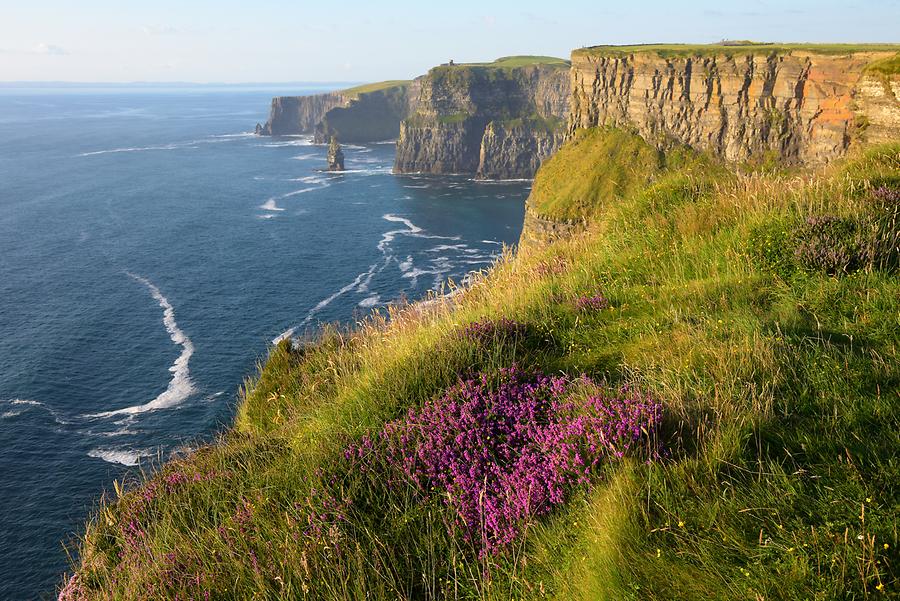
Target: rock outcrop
x: 294, y: 115
x: 335, y: 156
x: 358, y: 115
x: 496, y: 122
x: 804, y: 105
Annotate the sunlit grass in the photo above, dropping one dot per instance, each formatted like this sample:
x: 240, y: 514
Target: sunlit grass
x: 781, y: 424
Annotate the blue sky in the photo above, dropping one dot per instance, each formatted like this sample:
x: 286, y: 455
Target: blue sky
x: 352, y: 40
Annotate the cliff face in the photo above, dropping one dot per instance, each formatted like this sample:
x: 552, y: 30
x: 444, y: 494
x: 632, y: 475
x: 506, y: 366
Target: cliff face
x: 805, y: 106
x: 368, y: 117
x: 496, y: 122
x: 368, y: 114
x: 292, y: 115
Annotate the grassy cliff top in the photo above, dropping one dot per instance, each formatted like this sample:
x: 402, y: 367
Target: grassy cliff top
x: 375, y: 87
x: 758, y: 313
x: 514, y: 62
x: 732, y: 49
x: 601, y: 166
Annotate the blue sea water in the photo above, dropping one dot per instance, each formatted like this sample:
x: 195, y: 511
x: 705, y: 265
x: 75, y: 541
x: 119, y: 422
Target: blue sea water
x: 151, y: 249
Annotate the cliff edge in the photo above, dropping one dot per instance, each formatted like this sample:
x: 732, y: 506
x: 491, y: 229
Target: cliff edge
x: 495, y: 120
x: 805, y: 104
x: 368, y: 113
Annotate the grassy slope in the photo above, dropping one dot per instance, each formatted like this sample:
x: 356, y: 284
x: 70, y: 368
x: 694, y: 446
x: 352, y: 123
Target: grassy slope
x: 781, y: 395
x: 375, y: 87
x: 672, y: 50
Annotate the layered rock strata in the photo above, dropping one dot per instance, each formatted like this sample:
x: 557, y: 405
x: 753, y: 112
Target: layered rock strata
x: 493, y: 122
x: 351, y: 117
x: 803, y: 106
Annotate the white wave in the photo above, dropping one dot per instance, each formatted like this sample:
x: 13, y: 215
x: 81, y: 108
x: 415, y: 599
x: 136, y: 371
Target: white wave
x: 303, y: 141
x: 180, y: 386
x: 138, y: 149
x: 22, y: 407
x: 370, y: 301
x: 310, y: 179
x: 303, y: 191
x: 284, y: 335
x: 407, y: 264
x: 266, y: 216
x: 377, y: 171
x: 500, y: 181
x: 305, y: 157
x: 324, y: 303
x: 492, y: 242
x: 270, y: 205
x: 386, y: 142
x: 413, y: 228
x: 243, y: 134
x: 129, y: 457
x: 443, y: 247
x: 419, y: 187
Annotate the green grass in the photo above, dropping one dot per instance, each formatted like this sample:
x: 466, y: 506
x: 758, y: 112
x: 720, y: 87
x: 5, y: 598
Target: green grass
x: 375, y: 87
x: 735, y: 49
x: 603, y: 165
x: 886, y: 66
x: 781, y: 391
x: 512, y: 62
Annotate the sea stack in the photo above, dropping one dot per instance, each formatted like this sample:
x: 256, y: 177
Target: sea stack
x: 335, y: 156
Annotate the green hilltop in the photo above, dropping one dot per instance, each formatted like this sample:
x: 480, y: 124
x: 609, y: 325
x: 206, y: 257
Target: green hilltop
x: 733, y: 49
x: 696, y: 395
x: 380, y: 86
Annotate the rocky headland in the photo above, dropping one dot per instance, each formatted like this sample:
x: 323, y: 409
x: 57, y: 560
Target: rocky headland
x: 497, y: 120
x: 369, y: 113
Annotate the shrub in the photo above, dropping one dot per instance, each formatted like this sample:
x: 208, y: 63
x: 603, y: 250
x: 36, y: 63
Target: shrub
x: 828, y: 243
x: 595, y: 302
x: 505, y: 448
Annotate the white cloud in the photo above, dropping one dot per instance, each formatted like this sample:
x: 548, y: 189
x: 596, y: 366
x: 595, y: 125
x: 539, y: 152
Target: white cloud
x: 51, y: 49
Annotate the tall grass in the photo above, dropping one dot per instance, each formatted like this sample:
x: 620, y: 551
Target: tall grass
x: 780, y: 392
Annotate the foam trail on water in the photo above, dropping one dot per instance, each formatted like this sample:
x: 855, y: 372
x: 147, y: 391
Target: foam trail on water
x: 270, y: 205
x: 180, y: 386
x: 284, y: 335
x: 129, y: 457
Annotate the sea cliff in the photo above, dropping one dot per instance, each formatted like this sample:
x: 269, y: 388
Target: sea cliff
x: 496, y: 120
x: 695, y: 397
x: 368, y: 113
x: 802, y: 104
x: 791, y: 105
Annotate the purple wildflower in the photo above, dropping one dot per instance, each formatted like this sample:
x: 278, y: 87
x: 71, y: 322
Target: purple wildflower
x: 487, y: 331
x: 501, y: 451
x: 596, y: 302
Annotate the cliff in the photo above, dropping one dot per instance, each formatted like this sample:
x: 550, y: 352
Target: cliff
x: 367, y: 113
x: 695, y: 398
x: 804, y: 104
x: 497, y: 120
x: 753, y: 103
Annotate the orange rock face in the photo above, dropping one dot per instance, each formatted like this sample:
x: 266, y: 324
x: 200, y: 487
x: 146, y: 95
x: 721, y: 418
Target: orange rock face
x: 802, y: 106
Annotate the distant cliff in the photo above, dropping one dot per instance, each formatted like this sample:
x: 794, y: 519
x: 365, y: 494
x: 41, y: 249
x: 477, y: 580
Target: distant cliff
x: 365, y: 114
x: 497, y: 120
x: 794, y: 104
x: 802, y: 104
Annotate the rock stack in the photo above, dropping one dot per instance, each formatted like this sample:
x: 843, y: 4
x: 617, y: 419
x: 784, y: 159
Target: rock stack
x: 335, y: 156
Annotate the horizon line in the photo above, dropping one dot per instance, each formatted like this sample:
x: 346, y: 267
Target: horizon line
x: 63, y: 83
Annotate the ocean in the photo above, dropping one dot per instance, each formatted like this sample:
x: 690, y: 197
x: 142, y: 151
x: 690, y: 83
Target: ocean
x: 152, y: 249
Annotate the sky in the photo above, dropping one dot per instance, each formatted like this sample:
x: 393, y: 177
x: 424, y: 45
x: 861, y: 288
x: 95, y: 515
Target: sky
x: 355, y: 40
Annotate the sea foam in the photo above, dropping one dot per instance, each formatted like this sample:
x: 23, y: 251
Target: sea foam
x: 180, y: 386
x: 128, y: 457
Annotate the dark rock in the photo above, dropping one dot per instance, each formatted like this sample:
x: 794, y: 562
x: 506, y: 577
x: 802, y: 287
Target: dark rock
x: 335, y: 156
x: 496, y: 123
